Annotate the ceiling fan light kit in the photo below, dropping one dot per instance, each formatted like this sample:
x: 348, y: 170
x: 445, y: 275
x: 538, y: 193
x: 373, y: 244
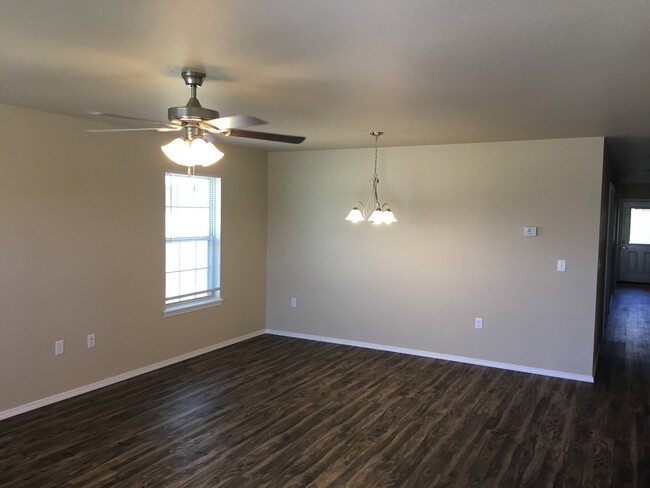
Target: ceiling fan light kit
x: 198, y: 122
x: 192, y: 152
x: 378, y: 213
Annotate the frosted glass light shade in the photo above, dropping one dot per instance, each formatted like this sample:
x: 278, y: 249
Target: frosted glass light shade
x: 196, y: 152
x: 355, y: 215
x: 389, y: 216
x: 377, y: 217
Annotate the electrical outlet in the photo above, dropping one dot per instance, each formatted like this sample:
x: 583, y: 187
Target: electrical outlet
x: 294, y: 303
x: 90, y: 341
x: 58, y: 348
x: 478, y: 323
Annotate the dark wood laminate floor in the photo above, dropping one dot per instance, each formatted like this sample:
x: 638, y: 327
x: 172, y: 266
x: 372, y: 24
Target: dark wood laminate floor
x: 290, y: 413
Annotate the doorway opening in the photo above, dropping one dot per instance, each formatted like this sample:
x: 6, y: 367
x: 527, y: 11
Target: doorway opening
x: 625, y: 291
x: 634, y: 254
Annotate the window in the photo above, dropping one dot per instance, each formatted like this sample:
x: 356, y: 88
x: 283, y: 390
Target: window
x: 192, y: 242
x: 640, y: 226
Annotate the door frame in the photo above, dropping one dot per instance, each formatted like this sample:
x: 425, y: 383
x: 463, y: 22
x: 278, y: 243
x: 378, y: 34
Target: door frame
x: 611, y: 249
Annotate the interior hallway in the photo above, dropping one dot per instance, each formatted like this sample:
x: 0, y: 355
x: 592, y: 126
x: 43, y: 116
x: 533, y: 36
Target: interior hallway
x: 623, y: 381
x: 623, y: 386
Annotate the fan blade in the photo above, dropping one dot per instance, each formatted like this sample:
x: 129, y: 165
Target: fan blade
x: 208, y: 128
x: 265, y: 136
x: 136, y: 129
x: 235, y: 122
x: 105, y: 114
x: 171, y: 128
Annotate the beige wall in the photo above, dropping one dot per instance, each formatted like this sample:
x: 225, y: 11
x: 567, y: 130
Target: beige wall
x: 82, y: 250
x: 456, y: 253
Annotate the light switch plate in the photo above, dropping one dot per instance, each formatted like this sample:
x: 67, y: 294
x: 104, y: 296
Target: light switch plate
x: 530, y: 231
x: 561, y: 265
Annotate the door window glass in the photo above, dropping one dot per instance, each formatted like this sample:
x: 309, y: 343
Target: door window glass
x: 640, y: 226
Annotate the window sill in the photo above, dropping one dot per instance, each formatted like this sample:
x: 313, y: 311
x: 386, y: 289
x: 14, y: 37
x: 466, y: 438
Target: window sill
x: 177, y: 309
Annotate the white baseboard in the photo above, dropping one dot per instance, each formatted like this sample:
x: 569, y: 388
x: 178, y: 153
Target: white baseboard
x: 121, y: 377
x: 435, y: 355
x: 368, y: 345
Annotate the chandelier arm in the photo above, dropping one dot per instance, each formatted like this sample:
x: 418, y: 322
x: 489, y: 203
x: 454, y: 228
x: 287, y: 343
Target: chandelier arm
x: 364, y: 209
x: 367, y: 206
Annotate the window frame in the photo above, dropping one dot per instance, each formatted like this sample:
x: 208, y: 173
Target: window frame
x: 213, y: 239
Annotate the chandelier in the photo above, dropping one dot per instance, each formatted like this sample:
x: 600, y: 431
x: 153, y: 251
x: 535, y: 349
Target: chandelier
x: 378, y: 213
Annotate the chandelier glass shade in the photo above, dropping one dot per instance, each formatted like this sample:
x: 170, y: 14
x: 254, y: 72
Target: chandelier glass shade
x: 377, y: 213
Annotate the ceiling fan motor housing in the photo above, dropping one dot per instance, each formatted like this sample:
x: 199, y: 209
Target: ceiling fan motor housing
x: 191, y: 112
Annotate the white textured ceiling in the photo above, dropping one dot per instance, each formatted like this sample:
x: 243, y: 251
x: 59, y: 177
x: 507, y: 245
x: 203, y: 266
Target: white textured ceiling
x: 424, y: 72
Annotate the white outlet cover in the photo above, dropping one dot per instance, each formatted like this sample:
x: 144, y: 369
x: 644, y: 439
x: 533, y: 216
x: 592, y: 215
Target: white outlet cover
x: 59, y: 348
x: 530, y: 231
x: 478, y: 323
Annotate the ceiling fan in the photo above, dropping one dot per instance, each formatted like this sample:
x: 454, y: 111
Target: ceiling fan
x: 196, y: 122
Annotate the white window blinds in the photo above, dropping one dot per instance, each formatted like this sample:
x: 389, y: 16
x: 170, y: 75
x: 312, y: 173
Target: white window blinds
x: 192, y: 239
